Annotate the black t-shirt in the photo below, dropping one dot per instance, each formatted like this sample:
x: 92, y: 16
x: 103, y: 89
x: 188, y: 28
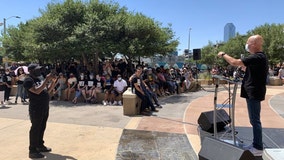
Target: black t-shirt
x: 138, y: 81
x: 2, y: 85
x: 41, y: 98
x: 254, y: 81
x: 90, y: 83
x: 7, y: 78
x: 99, y: 83
x: 81, y: 83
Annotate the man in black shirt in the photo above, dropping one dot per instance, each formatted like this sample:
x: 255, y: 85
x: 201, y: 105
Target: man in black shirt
x: 141, y: 91
x: 38, y: 108
x: 253, y: 86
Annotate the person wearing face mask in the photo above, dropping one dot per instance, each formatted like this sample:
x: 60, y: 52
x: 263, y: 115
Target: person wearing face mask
x: 99, y: 84
x: 91, y: 89
x: 81, y: 88
x: 108, y: 86
x: 253, y: 87
x: 38, y: 92
x: 119, y: 87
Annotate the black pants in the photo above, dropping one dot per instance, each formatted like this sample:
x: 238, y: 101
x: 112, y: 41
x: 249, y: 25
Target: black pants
x: 149, y: 97
x: 144, y: 103
x: 38, y: 119
x: 7, y: 93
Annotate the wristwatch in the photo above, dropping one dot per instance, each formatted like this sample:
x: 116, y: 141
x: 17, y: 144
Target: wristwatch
x: 223, y: 54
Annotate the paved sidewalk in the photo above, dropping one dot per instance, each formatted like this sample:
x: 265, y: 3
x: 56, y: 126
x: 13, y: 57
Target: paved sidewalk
x: 97, y: 132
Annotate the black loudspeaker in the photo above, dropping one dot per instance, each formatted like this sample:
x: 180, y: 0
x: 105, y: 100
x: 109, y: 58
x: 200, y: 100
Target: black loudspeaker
x: 206, y: 122
x: 196, y: 54
x: 213, y: 149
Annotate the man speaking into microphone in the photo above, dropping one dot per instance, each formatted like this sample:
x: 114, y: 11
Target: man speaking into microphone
x: 37, y: 90
x: 253, y: 87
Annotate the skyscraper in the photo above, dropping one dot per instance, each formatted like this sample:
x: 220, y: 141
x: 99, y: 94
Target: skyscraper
x: 229, y: 31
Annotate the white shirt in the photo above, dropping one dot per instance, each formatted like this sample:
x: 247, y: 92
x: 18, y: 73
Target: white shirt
x: 120, y: 85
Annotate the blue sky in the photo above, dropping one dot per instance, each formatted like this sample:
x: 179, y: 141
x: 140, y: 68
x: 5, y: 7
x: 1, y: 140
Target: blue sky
x: 206, y: 18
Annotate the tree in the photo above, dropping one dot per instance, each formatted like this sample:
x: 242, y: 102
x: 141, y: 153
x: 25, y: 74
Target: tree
x: 91, y: 30
x: 273, y: 35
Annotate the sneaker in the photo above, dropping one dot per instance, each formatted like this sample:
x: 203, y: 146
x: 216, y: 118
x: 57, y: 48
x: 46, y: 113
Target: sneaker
x: 34, y: 155
x: 6, y: 103
x: 43, y: 149
x: 159, y: 106
x: 114, y: 103
x: 109, y: 103
x: 247, y: 147
x: 144, y: 113
x: 104, y: 103
x: 155, y: 110
x: 255, y: 151
x: 119, y: 103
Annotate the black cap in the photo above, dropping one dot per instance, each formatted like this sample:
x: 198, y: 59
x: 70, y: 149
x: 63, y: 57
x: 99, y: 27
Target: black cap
x: 34, y: 66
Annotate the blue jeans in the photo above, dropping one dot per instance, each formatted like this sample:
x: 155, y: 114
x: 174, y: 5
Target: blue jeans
x: 254, y: 108
x: 21, y: 92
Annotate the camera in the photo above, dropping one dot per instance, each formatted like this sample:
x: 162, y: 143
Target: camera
x: 239, y: 73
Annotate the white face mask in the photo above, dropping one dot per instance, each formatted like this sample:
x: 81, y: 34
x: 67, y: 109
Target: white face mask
x: 246, y: 47
x: 119, y: 78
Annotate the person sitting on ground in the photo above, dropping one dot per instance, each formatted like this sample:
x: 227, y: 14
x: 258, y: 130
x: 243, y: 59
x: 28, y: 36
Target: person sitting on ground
x: 71, y: 86
x: 161, y: 81
x: 81, y: 88
x: 61, y: 85
x: 119, y: 87
x: 175, y: 79
x: 91, y: 89
x: 194, y: 86
x: 99, y: 82
x: 139, y: 89
x: 147, y: 79
x: 169, y: 81
x: 152, y: 81
x: 108, y: 86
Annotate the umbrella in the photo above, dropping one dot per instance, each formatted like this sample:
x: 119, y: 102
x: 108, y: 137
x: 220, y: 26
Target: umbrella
x: 24, y: 67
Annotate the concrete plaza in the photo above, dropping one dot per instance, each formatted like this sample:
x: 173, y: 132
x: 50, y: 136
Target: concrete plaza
x: 97, y: 132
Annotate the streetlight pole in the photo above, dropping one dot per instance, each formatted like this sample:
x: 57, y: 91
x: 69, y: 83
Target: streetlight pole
x: 4, y: 21
x: 189, y: 40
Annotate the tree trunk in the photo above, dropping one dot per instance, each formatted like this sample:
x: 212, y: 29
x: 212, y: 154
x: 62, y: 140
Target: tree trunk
x: 96, y: 62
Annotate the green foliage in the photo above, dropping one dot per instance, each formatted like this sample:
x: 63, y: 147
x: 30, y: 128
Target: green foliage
x: 273, y: 35
x: 81, y: 30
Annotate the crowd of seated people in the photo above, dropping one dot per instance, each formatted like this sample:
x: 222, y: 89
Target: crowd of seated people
x: 78, y: 83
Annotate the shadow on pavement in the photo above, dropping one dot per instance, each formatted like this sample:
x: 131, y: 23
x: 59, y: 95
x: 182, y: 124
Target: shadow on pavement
x: 4, y: 107
x: 53, y: 156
